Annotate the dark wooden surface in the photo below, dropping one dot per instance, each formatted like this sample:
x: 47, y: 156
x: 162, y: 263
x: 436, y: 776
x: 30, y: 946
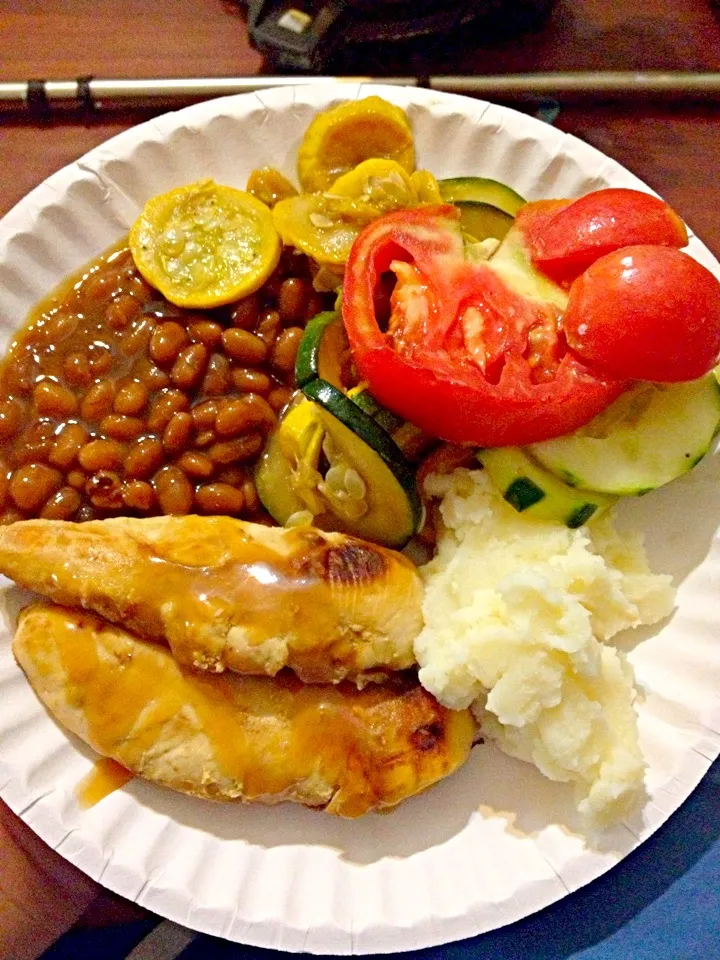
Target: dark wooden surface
x: 675, y: 150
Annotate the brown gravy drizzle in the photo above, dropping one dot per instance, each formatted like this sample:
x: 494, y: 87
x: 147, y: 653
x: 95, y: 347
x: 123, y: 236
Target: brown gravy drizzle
x: 106, y: 776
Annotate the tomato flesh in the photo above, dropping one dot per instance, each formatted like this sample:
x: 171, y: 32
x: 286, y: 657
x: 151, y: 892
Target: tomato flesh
x: 464, y: 357
x: 563, y: 241
x: 646, y: 313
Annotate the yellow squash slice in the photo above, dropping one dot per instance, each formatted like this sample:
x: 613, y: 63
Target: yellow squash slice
x: 325, y: 225
x: 340, y: 138
x: 204, y: 245
x: 269, y: 186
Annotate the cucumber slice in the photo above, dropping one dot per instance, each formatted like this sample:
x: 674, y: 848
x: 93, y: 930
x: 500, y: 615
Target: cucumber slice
x: 650, y: 435
x: 481, y: 190
x: 321, y: 349
x: 532, y: 490
x: 367, y: 490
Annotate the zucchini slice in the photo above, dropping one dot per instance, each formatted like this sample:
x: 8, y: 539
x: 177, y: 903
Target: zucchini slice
x: 332, y: 464
x: 332, y: 460
x: 362, y: 397
x: 532, y: 490
x: 647, y: 437
x: 395, y: 510
x: 321, y: 350
x: 487, y: 207
x: 481, y: 221
x: 287, y: 465
x: 409, y: 439
x: 481, y: 190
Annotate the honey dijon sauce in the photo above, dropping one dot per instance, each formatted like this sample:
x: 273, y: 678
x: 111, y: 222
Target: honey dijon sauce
x: 229, y: 737
x: 250, y: 608
x: 228, y: 594
x: 106, y: 777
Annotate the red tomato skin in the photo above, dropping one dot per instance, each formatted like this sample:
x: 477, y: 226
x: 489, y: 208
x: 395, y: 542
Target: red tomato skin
x: 449, y: 410
x: 646, y: 313
x: 450, y: 401
x: 566, y: 242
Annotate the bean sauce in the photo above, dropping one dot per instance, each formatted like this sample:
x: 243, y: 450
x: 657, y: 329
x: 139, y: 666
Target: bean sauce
x: 114, y: 402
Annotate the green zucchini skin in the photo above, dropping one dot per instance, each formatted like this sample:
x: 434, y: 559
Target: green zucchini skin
x: 307, y: 363
x: 481, y: 190
x: 367, y: 403
x: 531, y: 489
x: 648, y: 437
x: 487, y: 207
x: 481, y: 221
x: 523, y: 493
x: 372, y: 434
x: 318, y: 375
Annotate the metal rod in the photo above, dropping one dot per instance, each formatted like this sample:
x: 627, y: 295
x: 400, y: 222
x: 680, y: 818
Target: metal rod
x: 618, y: 84
x: 42, y: 97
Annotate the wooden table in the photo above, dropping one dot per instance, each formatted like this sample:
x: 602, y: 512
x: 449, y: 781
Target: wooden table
x: 674, y: 149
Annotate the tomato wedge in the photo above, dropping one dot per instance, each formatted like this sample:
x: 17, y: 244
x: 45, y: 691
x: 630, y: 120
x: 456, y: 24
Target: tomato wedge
x: 466, y: 355
x: 646, y: 312
x: 565, y: 237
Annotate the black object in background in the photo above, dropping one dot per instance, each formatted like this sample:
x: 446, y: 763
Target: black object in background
x: 371, y: 34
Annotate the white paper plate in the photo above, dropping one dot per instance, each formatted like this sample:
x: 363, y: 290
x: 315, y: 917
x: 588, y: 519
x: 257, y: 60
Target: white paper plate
x: 495, y: 842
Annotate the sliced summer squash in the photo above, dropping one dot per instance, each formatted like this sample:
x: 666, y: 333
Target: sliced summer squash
x: 487, y: 207
x: 332, y: 465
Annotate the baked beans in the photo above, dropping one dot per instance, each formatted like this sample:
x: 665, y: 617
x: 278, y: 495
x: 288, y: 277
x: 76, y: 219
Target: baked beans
x: 244, y: 346
x: 189, y: 368
x: 144, y: 458
x: 115, y: 402
x: 138, y: 495
x: 10, y: 417
x: 131, y: 398
x: 70, y: 441
x: 174, y: 491
x: 251, y: 381
x: 32, y: 484
x: 206, y: 331
x: 285, y: 350
x: 178, y: 433
x: 218, y: 379
x: 219, y: 498
x: 101, y: 454
x: 50, y: 399
x: 196, y: 464
x: 167, y: 341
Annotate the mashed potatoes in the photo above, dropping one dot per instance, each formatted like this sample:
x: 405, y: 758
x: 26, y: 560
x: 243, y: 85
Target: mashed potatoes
x: 516, y: 611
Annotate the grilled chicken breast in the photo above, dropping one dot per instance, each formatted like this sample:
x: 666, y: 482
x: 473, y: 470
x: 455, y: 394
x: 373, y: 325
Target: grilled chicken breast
x: 228, y: 594
x: 237, y: 738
